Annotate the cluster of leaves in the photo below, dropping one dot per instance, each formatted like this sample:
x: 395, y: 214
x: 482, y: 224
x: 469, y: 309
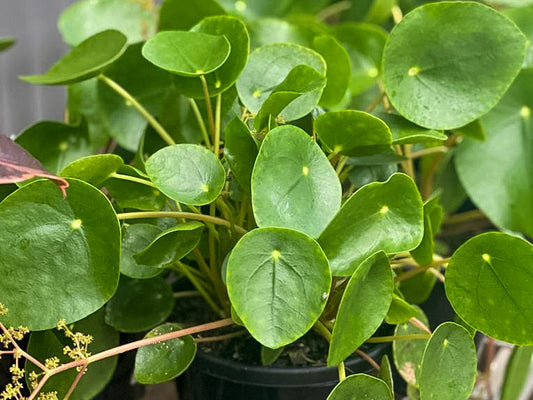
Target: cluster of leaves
x: 318, y: 214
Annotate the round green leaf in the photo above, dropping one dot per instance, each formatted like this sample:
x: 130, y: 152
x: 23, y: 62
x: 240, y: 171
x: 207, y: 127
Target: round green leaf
x: 290, y: 170
x: 172, y: 244
x: 60, y: 255
x: 380, y: 216
x: 187, y: 53
x: 134, y: 239
x: 278, y: 280
x: 338, y: 69
x: 361, y: 387
x: 364, y: 44
x: 223, y: 78
x: 363, y: 307
x: 93, y: 169
x: 400, y: 311
x: 164, y: 361
x: 240, y: 151
x: 449, y: 365
x: 268, y: 66
x: 407, y: 354
x: 178, y: 15
x: 405, y: 132
x: 448, y: 63
x: 139, y: 304
x: 46, y: 344
x: 187, y: 173
x: 498, y: 173
x: 136, y: 21
x: 488, y: 284
x: 86, y: 60
x: 523, y: 18
x: 353, y: 133
x: 55, y: 144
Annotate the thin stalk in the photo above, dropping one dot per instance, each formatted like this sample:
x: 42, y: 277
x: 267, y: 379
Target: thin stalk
x: 176, y: 214
x: 341, y: 164
x: 138, y: 106
x: 212, y: 248
x: 80, y: 374
x: 387, y: 339
x: 368, y: 359
x: 397, y: 14
x: 200, y: 120
x: 133, y: 179
x: 341, y: 370
x: 375, y: 103
x: 464, y: 217
x: 333, y: 9
x: 216, y: 279
x: 419, y: 324
x: 321, y: 329
x: 221, y: 337
x: 425, y: 152
x: 435, y: 272
x: 218, y: 112
x: 186, y: 294
x: 27, y: 356
x: 208, y: 106
x: 409, y: 166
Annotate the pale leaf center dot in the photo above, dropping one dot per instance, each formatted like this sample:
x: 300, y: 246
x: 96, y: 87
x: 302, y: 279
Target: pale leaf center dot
x: 413, y: 71
x: 63, y: 146
x: 373, y: 72
x: 305, y: 171
x: 384, y: 210
x: 276, y: 254
x: 485, y: 257
x: 76, y: 224
x: 240, y: 6
x: 205, y: 188
x: 525, y: 112
x: 257, y: 93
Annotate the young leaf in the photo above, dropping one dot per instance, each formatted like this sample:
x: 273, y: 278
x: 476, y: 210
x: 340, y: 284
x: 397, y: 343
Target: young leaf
x: 484, y: 167
x: 338, y: 69
x: 487, y: 283
x: 353, y: 133
x: 400, y: 311
x: 291, y: 169
x: 456, y: 59
x: 405, y: 132
x: 139, y: 304
x: 93, y: 169
x: 407, y: 354
x: 172, y: 244
x: 516, y: 372
x: 268, y: 66
x: 59, y: 254
x: 178, y: 15
x: 162, y: 362
x: 188, y: 54
x: 448, y: 370
x: 474, y: 129
x: 418, y: 288
x: 269, y: 356
x: 240, y: 151
x: 136, y: 21
x: 433, y: 212
x: 88, y: 59
x: 364, y: 44
x: 361, y: 387
x: 55, y: 144
x: 196, y: 177
x: 134, y: 239
x: 380, y: 216
x: 288, y: 274
x: 363, y: 307
x: 17, y: 165
x: 46, y: 344
x: 385, y: 372
x: 223, y: 78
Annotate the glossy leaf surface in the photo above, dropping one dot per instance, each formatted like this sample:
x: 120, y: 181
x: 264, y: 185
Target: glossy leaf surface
x: 139, y: 304
x: 134, y: 239
x: 187, y: 53
x: 498, y: 173
x: 86, y: 60
x: 60, y: 254
x: 448, y: 370
x: 290, y: 170
x: 93, y: 169
x: 187, y: 173
x: 433, y: 214
x: 400, y: 311
x: 278, y: 280
x: 380, y: 216
x: 46, y: 344
x: 164, y: 361
x: 171, y: 244
x: 363, y: 307
x: 446, y: 64
x: 487, y: 283
x: 405, y: 132
x: 268, y: 66
x: 178, y: 15
x: 352, y: 132
x: 240, y: 151
x: 361, y: 387
x: 85, y: 18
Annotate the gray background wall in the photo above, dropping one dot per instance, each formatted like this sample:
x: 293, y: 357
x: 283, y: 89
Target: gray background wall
x: 39, y: 45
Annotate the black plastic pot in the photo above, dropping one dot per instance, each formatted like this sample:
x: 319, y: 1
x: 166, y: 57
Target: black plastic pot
x: 214, y: 378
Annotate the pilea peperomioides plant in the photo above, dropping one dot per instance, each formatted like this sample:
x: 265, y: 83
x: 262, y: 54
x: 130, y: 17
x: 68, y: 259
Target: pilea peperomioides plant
x: 293, y: 169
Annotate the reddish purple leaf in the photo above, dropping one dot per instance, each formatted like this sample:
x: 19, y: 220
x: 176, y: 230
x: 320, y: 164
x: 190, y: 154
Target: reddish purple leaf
x: 17, y: 165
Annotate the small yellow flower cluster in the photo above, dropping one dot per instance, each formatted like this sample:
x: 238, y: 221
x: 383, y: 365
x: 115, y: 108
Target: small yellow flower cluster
x: 81, y: 342
x: 3, y: 309
x: 12, y: 333
x: 52, y: 362
x: 48, y: 396
x: 13, y: 390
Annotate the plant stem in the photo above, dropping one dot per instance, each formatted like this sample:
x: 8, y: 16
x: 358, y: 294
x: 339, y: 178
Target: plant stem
x: 218, y: 112
x: 375, y: 103
x: 208, y: 106
x: 211, y: 239
x: 321, y: 329
x: 333, y: 9
x: 201, y: 123
x: 341, y: 371
x: 425, y: 152
x: 186, y: 294
x: 27, y: 356
x: 221, y: 337
x: 177, y: 214
x: 143, y: 111
x: 80, y: 374
x: 387, y: 339
x: 341, y: 164
x: 368, y: 359
x: 464, y: 217
x: 419, y: 324
x: 409, y: 166
x: 133, y: 179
